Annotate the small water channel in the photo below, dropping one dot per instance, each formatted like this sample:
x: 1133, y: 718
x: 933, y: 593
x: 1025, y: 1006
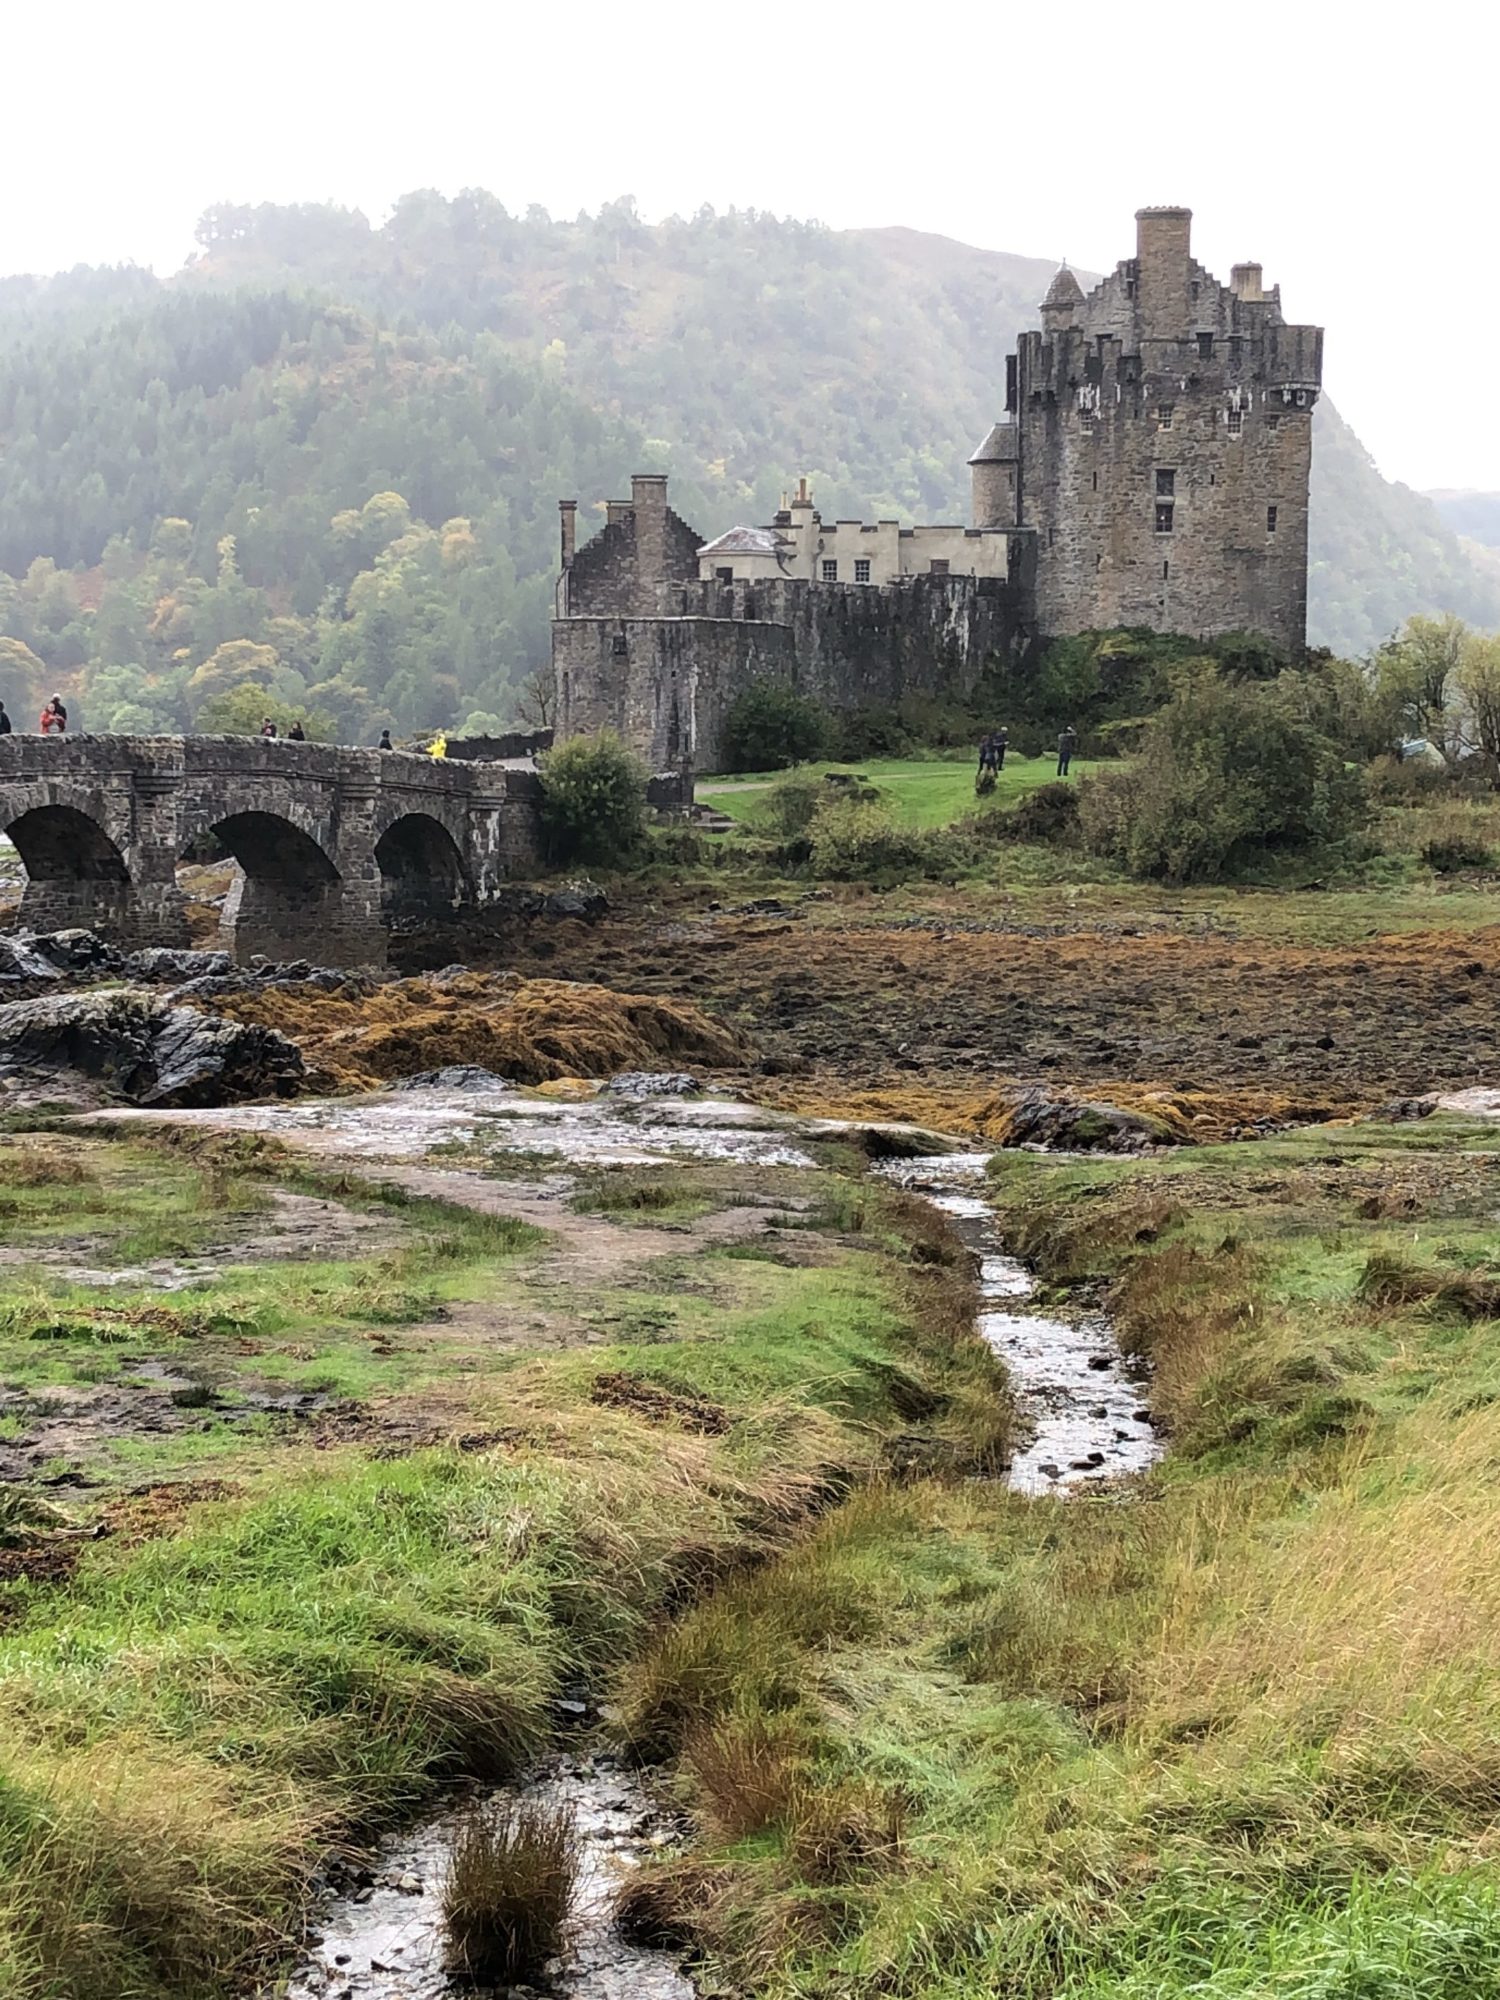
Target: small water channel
x: 382, y: 1938
x: 379, y: 1936
x: 1085, y: 1417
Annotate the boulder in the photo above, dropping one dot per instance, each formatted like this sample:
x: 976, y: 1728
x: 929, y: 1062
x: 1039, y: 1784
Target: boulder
x: 139, y: 1047
x: 585, y: 900
x: 455, y: 1076
x: 1064, y: 1125
x: 20, y: 959
x: 639, y: 1083
x: 160, y: 962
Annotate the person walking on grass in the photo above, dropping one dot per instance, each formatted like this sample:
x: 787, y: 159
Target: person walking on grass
x: 1001, y: 742
x: 1067, y: 743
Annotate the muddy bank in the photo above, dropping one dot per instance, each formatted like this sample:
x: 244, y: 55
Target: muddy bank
x: 844, y: 1006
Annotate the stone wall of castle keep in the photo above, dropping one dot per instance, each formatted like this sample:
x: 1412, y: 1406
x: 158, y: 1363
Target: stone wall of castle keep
x: 665, y: 681
x: 332, y: 844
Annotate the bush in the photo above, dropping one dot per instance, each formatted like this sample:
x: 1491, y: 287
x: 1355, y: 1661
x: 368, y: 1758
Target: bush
x: 792, y: 801
x: 1455, y: 846
x: 770, y: 726
x: 509, y: 1884
x: 853, y: 841
x: 1048, y: 814
x: 593, y: 800
x: 1226, y: 770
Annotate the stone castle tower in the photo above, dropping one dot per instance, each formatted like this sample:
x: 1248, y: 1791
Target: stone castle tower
x: 1158, y: 443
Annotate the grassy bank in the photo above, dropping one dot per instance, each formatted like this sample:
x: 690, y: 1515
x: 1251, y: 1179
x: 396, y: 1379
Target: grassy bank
x: 391, y: 1588
x: 921, y: 791
x: 1236, y: 1733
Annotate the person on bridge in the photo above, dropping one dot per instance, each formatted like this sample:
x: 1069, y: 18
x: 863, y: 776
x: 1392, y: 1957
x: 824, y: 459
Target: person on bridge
x: 268, y: 728
x: 5, y: 728
x: 296, y: 734
x: 55, y: 717
x: 385, y: 742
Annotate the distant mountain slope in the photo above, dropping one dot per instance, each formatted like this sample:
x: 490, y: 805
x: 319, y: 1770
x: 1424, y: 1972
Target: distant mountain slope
x: 465, y: 367
x: 1473, y: 516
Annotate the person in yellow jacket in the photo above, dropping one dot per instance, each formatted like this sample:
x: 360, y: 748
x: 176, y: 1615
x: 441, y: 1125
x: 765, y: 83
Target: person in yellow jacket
x: 439, y: 745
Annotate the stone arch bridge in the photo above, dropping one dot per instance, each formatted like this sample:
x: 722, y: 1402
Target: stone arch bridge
x: 332, y: 844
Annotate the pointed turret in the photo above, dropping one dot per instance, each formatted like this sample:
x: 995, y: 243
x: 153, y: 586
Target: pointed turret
x: 1064, y: 295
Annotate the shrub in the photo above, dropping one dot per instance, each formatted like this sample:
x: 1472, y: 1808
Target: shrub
x: 1050, y: 813
x: 1226, y: 770
x: 1456, y: 845
x: 512, y: 1873
x: 770, y: 725
x: 792, y: 801
x: 853, y: 840
x: 593, y: 800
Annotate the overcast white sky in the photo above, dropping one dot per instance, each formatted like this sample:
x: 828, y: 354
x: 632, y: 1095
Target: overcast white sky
x: 1349, y: 147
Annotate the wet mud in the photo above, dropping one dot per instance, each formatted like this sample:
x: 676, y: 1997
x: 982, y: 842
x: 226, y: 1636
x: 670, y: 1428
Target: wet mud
x: 861, y: 1006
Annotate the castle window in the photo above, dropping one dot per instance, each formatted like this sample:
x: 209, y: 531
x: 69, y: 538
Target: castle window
x: 1164, y: 517
x: 1273, y: 424
x: 1164, y: 417
x: 830, y: 572
x: 1166, y: 482
x: 619, y: 644
x: 1205, y: 344
x: 1096, y: 482
x: 862, y: 569
x: 1236, y: 420
x: 1270, y: 520
x: 724, y: 576
x: 939, y: 566
x: 1166, y: 571
x: 1194, y: 289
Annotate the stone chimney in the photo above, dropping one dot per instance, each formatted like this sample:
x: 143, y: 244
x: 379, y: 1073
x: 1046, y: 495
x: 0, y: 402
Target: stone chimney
x: 1245, y: 282
x: 648, y: 503
x: 568, y: 511
x: 1163, y: 258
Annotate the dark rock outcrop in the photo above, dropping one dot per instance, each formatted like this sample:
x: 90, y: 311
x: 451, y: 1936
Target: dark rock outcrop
x: 1063, y: 1125
x: 137, y: 1046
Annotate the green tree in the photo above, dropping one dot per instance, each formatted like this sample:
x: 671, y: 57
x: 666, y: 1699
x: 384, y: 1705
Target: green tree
x: 770, y: 725
x: 1416, y: 672
x: 593, y: 800
x: 1225, y: 772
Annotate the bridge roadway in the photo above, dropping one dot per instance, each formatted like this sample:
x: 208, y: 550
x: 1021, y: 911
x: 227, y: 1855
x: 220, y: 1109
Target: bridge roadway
x: 332, y: 844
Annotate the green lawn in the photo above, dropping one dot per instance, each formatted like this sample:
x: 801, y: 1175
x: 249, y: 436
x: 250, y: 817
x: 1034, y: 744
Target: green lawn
x: 923, y: 791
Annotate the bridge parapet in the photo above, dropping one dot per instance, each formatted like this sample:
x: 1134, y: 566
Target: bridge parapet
x: 331, y: 843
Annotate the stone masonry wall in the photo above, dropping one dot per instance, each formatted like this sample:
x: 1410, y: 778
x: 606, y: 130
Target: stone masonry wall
x: 665, y: 681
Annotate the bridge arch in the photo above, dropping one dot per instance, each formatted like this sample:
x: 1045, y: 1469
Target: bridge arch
x: 421, y: 866
x: 286, y: 901
x: 75, y: 871
x: 272, y: 848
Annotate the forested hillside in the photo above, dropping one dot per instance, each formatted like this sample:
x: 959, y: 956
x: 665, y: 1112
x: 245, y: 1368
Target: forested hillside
x: 325, y: 458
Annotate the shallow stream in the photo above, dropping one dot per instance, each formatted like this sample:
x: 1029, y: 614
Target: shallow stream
x: 378, y: 1936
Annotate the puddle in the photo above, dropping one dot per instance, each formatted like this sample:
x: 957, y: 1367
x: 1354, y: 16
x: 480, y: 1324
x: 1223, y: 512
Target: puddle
x: 385, y: 1940
x: 1087, y: 1418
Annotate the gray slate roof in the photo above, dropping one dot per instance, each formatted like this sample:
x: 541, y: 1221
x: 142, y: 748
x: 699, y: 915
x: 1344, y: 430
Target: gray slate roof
x: 744, y: 542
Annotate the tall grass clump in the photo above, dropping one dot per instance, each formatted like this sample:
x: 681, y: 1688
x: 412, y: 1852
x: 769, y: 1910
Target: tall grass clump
x: 511, y: 1876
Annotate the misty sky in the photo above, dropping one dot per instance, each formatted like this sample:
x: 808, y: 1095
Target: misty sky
x: 1350, y: 148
